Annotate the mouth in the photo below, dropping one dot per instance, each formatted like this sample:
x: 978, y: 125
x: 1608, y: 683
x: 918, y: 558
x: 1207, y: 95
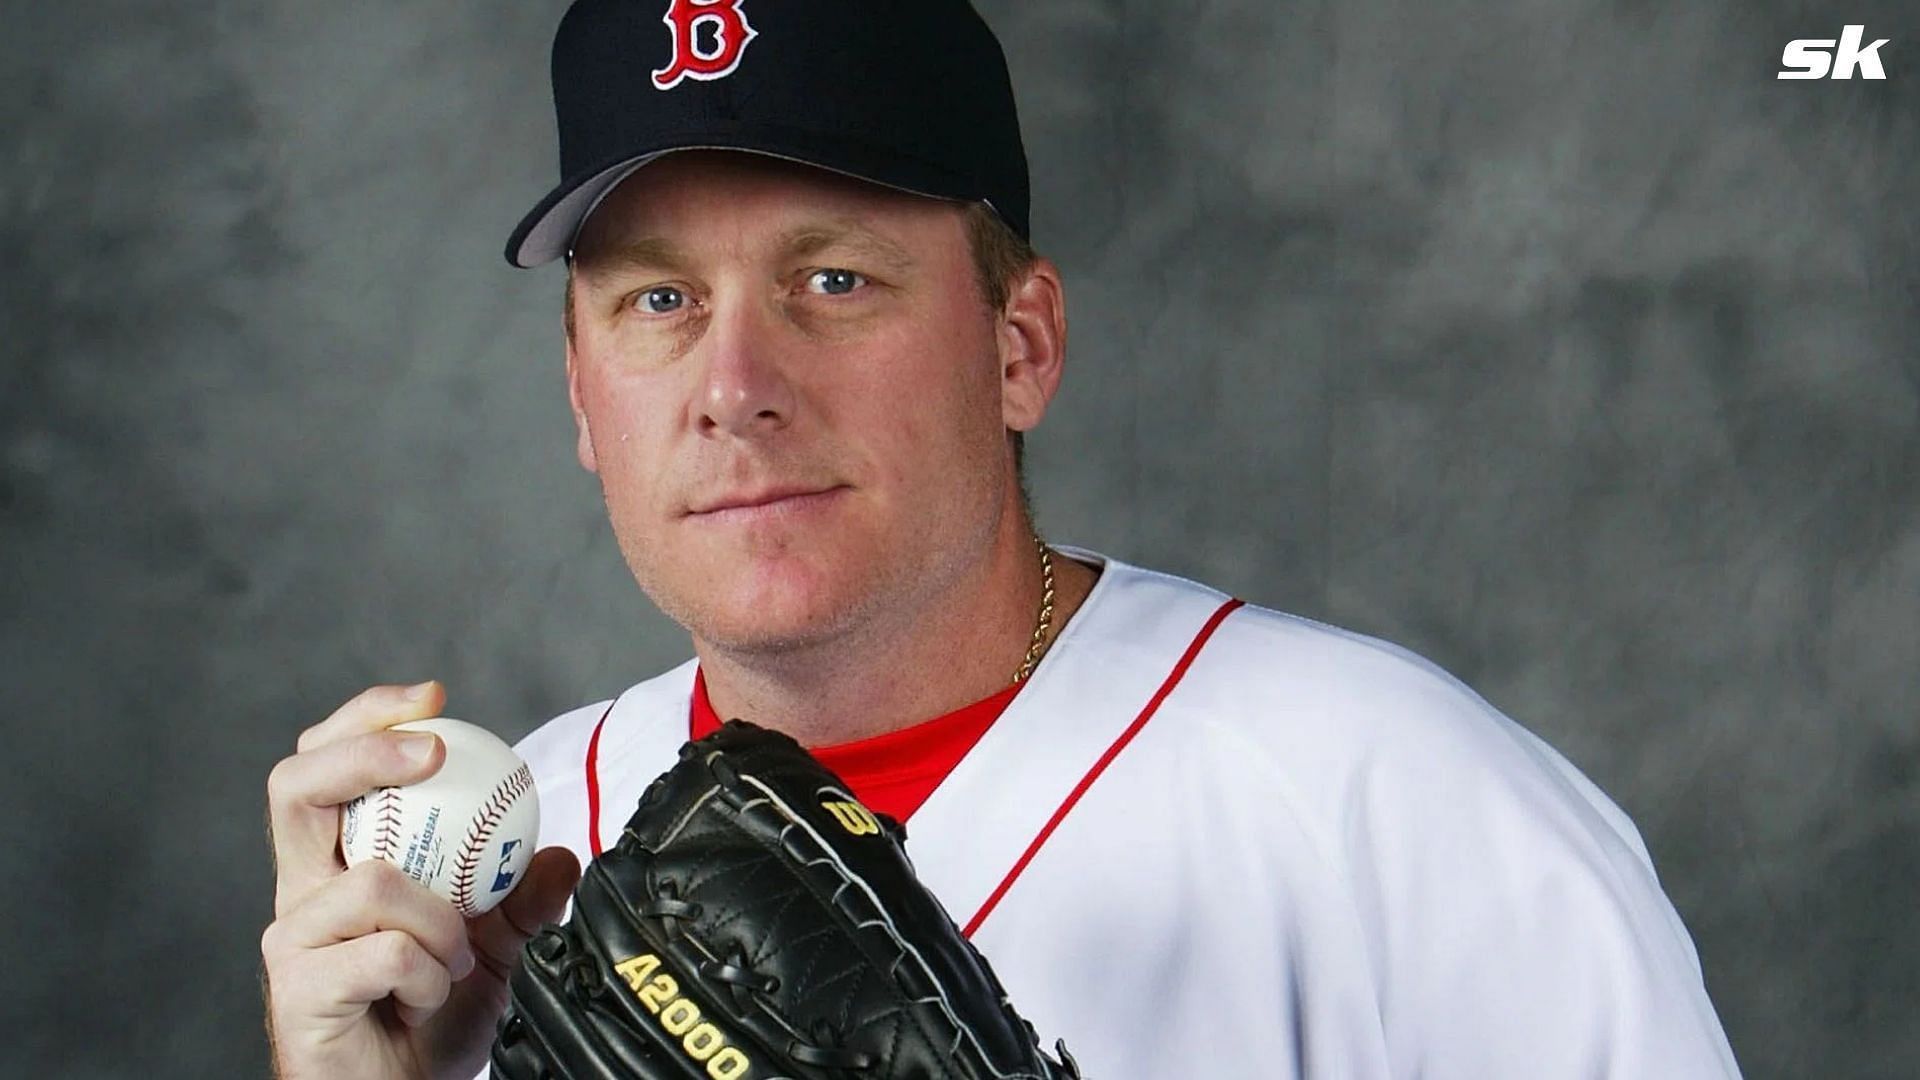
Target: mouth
x: 764, y: 502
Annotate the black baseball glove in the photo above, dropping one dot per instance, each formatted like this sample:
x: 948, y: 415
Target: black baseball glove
x: 755, y: 922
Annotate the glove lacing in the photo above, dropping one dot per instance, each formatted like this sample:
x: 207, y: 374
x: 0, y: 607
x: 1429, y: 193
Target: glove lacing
x: 823, y: 1047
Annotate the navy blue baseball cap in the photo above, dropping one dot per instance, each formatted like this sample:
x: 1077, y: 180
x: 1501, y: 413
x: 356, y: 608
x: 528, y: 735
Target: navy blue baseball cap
x: 910, y: 94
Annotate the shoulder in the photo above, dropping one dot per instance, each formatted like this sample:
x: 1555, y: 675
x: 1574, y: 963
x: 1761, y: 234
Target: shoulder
x: 1367, y: 743
x: 1490, y: 876
x: 1395, y: 733
x: 1301, y: 676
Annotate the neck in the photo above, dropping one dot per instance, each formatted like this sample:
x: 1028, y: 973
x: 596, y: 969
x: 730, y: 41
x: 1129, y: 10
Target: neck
x: 915, y: 661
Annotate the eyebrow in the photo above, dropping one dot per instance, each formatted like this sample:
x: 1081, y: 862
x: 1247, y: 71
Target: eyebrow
x: 644, y: 253
x: 813, y: 239
x: 651, y: 253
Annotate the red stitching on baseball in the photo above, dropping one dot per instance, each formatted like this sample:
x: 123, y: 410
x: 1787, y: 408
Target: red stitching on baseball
x: 386, y: 823
x: 485, y: 820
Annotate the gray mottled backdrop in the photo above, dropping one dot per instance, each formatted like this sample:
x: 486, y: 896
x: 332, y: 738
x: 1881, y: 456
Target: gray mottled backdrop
x: 1557, y: 340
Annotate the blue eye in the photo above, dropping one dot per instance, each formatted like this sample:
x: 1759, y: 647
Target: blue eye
x: 834, y: 282
x: 662, y: 300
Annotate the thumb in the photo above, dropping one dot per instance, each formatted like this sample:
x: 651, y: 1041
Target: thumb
x: 539, y: 899
x: 543, y: 894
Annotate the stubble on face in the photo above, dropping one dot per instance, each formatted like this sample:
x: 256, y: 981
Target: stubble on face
x: 879, y: 413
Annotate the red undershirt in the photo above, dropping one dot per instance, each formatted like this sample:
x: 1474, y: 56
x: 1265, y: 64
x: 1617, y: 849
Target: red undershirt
x: 892, y: 773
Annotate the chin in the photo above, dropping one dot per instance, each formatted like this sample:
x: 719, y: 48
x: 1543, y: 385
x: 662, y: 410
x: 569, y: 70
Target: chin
x: 770, y: 629
x: 775, y: 605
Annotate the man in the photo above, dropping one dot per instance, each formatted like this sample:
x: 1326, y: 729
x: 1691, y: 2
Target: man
x: 805, y: 337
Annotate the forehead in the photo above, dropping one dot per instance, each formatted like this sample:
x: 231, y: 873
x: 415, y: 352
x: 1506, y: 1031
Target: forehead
x: 729, y: 196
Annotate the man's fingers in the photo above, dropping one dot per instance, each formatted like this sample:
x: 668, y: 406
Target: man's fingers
x: 389, y: 962
x: 539, y: 899
x: 373, y: 709
x: 373, y: 898
x: 304, y: 793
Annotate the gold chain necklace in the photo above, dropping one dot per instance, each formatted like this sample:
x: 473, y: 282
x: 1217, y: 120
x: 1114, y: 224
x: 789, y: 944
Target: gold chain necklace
x: 1037, y: 647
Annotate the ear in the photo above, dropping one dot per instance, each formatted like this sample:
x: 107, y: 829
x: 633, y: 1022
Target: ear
x: 1033, y: 346
x: 574, y: 397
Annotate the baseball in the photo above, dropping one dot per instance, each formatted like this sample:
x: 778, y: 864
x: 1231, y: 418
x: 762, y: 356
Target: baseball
x: 467, y: 832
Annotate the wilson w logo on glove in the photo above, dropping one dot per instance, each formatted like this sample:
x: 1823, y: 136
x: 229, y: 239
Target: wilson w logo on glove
x: 755, y: 922
x: 852, y: 817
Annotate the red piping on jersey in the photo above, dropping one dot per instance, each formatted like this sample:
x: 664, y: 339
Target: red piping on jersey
x: 593, y: 781
x: 1100, y: 766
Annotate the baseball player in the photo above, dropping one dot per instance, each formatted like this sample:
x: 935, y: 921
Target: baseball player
x: 805, y: 336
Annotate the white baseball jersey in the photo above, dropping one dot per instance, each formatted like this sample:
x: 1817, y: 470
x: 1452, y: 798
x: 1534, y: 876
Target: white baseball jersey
x: 1211, y: 840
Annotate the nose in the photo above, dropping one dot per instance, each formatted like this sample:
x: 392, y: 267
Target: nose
x: 744, y: 390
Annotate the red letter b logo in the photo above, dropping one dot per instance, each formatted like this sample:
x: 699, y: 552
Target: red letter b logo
x: 731, y: 32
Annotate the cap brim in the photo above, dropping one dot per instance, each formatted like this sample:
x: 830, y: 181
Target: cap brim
x: 549, y: 230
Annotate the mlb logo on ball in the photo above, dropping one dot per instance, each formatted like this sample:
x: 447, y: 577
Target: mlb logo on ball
x: 503, y: 876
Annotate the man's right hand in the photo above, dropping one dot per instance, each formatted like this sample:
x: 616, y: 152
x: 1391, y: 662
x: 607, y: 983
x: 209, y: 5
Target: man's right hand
x: 369, y: 974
